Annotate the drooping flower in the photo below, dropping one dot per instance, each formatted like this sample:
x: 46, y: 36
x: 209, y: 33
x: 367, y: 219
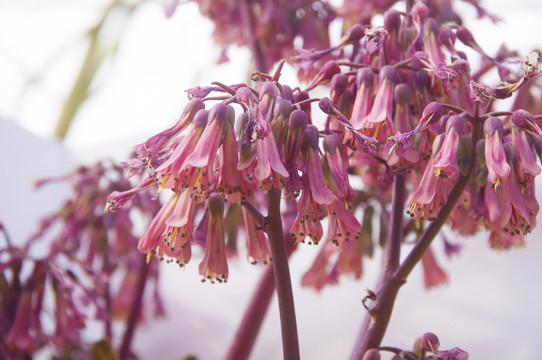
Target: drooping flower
x: 433, y: 274
x: 497, y: 166
x: 214, y: 266
x: 257, y: 243
x: 378, y: 123
x: 440, y: 173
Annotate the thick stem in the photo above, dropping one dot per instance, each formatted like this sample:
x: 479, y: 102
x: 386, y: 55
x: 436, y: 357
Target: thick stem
x: 135, y: 310
x: 273, y: 229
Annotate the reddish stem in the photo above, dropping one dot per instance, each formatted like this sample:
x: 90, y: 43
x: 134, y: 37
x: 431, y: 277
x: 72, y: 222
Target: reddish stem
x: 285, y: 296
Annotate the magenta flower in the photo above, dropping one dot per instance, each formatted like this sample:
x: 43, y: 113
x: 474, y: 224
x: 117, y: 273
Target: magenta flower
x: 19, y: 335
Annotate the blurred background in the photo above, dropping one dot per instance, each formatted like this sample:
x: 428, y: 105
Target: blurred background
x: 137, y: 64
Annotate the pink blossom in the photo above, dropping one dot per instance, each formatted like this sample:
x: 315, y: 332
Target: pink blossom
x: 214, y: 266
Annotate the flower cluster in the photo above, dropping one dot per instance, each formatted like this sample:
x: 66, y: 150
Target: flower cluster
x: 403, y: 102
x: 71, y: 266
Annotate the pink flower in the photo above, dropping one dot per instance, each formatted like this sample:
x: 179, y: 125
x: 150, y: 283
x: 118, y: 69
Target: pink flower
x: 363, y: 100
x: 257, y: 243
x: 19, y: 335
x: 170, y: 174
x: 378, y: 123
x: 317, y: 276
x: 177, y: 234
x: 150, y: 241
x: 433, y: 274
x: 497, y: 166
x: 313, y: 168
x: 214, y: 266
x: 198, y: 170
x: 440, y: 174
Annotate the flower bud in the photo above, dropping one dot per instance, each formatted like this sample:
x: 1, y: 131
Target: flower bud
x: 372, y: 354
x: 430, y: 342
x: 481, y: 169
x: 493, y: 124
x: 353, y: 34
x: 408, y: 35
x: 402, y: 94
x: 392, y: 21
x: 526, y: 122
x: 215, y: 204
x: 464, y: 152
x: 457, y: 123
x: 389, y: 73
x: 339, y: 84
x: 327, y: 106
x: 420, y: 12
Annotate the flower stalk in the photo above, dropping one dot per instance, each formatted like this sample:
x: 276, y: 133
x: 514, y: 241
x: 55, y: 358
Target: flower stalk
x: 281, y: 271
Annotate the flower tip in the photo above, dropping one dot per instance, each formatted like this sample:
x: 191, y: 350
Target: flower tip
x: 430, y: 342
x: 392, y: 20
x: 327, y: 106
x: 389, y: 73
x: 216, y: 205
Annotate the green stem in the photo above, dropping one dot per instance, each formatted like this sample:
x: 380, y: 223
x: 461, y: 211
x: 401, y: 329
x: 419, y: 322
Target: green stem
x: 79, y: 91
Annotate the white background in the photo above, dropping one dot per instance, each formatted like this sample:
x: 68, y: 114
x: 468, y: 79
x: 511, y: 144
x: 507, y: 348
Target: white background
x: 490, y: 308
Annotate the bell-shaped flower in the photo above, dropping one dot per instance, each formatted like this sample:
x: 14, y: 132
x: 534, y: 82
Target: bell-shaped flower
x: 313, y: 168
x: 335, y: 167
x: 153, y: 236
x: 177, y: 235
x: 153, y: 152
x: 308, y: 218
x: 497, y: 165
x: 342, y: 225
x: 198, y: 170
x: 171, y: 173
x: 214, y: 266
x: 378, y: 123
x: 433, y: 274
x: 439, y: 175
x: 363, y: 99
x: 525, y: 165
x: 317, y: 276
x: 257, y: 243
